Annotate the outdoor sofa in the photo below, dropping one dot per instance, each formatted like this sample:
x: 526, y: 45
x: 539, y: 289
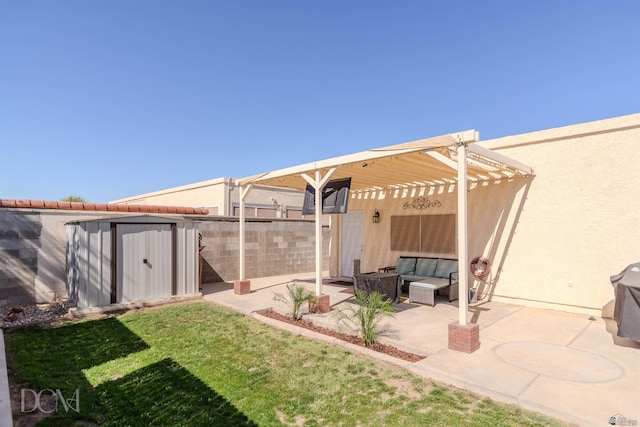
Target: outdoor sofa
x: 427, y: 276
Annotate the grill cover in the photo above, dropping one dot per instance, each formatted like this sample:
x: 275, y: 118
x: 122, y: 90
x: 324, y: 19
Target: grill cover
x: 626, y: 287
x: 388, y: 284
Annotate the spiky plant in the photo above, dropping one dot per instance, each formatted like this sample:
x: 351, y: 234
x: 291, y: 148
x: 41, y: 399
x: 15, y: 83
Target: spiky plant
x: 297, y: 296
x: 365, y: 316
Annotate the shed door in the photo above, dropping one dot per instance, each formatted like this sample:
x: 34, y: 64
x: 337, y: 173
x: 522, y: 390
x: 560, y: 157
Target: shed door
x: 144, y: 262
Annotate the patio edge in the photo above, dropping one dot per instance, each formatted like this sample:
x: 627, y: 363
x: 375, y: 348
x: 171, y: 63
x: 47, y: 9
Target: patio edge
x: 331, y: 340
x: 461, y: 383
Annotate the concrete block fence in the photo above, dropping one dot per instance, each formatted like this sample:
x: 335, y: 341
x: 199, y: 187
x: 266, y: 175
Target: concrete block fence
x: 33, y: 250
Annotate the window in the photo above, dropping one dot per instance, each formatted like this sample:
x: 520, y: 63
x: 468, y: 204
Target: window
x: 424, y: 233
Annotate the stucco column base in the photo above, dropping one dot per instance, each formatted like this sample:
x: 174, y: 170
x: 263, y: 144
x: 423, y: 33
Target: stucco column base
x: 241, y: 287
x: 319, y: 304
x: 464, y: 338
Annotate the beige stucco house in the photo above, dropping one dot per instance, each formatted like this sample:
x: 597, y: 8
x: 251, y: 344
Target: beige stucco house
x: 553, y: 239
x: 554, y: 230
x: 556, y: 212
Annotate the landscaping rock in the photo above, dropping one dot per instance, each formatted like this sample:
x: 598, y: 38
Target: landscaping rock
x: 27, y: 314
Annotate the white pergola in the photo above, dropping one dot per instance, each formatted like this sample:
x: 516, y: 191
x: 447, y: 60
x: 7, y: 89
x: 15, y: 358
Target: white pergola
x: 446, y: 159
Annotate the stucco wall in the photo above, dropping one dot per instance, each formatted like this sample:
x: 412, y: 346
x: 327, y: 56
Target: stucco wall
x: 212, y: 194
x: 579, y: 222
x: 553, y: 239
x: 220, y: 196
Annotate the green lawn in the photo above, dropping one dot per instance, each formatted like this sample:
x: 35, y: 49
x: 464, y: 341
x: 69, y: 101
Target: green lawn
x: 198, y: 364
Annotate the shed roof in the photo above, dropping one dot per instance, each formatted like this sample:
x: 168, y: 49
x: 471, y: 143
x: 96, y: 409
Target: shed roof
x: 145, y: 219
x: 424, y: 162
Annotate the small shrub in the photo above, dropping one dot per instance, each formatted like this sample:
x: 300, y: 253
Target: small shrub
x: 72, y: 198
x: 366, y: 315
x: 297, y: 296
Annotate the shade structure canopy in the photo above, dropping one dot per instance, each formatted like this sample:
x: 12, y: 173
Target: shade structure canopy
x: 446, y: 159
x: 425, y: 162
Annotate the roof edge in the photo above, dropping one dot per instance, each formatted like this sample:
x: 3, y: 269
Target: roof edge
x: 192, y: 186
x: 595, y: 127
x: 468, y: 136
x: 99, y: 207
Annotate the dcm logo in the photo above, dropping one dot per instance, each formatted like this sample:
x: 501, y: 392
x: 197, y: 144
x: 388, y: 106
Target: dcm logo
x: 48, y: 401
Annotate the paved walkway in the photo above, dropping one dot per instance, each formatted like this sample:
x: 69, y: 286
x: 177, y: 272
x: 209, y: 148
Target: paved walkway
x: 560, y: 364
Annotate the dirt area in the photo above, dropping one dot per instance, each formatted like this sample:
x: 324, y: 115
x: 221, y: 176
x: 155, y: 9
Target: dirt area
x: 382, y: 348
x: 28, y: 314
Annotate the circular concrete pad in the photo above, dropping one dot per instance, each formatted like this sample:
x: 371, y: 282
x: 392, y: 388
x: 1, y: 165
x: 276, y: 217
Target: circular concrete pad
x: 557, y: 361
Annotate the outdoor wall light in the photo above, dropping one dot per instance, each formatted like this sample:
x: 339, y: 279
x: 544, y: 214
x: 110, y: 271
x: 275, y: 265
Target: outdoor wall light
x: 376, y: 217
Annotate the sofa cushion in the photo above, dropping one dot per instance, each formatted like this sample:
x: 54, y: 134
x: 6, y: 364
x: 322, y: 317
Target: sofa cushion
x: 406, y: 266
x: 431, y: 283
x: 426, y: 267
x: 446, y: 267
x: 411, y: 278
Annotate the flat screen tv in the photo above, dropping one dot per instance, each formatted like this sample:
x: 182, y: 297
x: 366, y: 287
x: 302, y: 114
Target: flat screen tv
x: 335, y: 197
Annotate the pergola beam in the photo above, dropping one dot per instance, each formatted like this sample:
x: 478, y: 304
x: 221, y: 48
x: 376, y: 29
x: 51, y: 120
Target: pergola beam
x: 500, y: 159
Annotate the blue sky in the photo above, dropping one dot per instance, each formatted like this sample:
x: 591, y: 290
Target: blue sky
x: 112, y: 98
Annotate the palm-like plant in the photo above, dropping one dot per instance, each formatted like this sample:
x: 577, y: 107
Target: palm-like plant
x: 296, y: 296
x: 365, y: 315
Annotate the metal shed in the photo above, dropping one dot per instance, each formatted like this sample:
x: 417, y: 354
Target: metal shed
x: 126, y: 259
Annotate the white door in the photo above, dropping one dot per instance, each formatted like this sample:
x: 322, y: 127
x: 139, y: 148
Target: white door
x: 144, y: 267
x: 350, y: 242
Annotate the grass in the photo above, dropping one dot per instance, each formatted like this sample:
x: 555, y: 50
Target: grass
x: 198, y: 364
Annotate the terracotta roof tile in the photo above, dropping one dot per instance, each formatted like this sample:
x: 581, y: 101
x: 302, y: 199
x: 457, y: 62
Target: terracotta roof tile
x: 100, y: 207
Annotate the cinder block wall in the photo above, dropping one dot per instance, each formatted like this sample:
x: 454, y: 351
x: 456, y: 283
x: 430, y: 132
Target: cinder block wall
x: 273, y: 247
x: 33, y: 250
x: 33, y: 253
x: 20, y: 242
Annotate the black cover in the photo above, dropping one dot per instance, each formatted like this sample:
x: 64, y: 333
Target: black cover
x: 335, y: 197
x: 388, y: 284
x: 626, y: 287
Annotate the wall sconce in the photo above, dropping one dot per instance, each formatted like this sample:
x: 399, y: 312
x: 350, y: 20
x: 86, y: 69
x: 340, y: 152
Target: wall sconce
x: 376, y: 217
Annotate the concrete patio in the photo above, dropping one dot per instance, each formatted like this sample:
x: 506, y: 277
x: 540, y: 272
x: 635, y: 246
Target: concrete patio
x: 568, y: 366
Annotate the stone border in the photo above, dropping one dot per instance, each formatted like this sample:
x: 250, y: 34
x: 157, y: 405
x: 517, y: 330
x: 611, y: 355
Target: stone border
x: 90, y: 311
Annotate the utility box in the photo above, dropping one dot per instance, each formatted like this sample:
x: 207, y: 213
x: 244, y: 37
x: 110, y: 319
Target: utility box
x: 128, y: 259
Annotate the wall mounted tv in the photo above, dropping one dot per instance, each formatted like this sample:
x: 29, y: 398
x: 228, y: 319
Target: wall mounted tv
x: 335, y: 197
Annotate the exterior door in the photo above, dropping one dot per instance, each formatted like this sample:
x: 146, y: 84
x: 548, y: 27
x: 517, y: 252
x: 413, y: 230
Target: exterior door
x: 144, y: 262
x: 350, y: 241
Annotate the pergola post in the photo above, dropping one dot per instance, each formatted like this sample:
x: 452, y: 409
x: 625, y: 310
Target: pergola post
x: 463, y: 252
x: 321, y: 303
x: 318, y: 202
x: 242, y: 286
x: 462, y: 335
